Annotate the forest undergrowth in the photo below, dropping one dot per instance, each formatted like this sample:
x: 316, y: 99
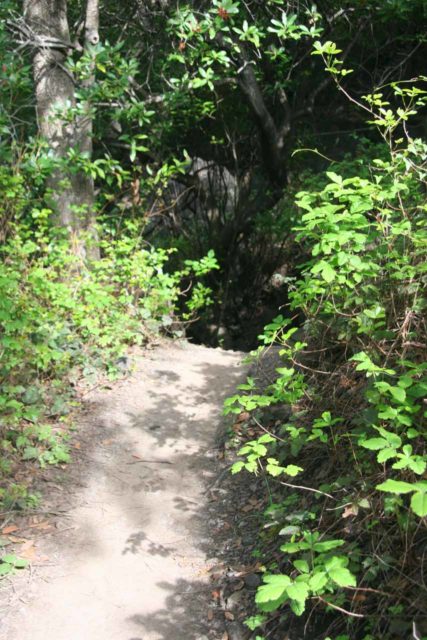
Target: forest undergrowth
x: 343, y: 538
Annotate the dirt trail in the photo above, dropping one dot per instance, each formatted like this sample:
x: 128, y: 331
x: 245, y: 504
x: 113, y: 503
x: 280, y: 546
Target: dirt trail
x: 133, y: 561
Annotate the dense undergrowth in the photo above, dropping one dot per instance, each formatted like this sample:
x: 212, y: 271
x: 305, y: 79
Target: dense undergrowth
x: 62, y: 322
x: 343, y: 539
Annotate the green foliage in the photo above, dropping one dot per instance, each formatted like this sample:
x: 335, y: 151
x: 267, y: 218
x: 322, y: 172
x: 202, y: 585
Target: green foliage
x: 319, y: 572
x: 54, y: 328
x: 362, y: 294
x: 9, y: 563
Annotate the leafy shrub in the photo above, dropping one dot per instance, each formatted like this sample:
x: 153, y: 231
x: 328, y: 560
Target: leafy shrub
x: 356, y: 381
x: 59, y: 319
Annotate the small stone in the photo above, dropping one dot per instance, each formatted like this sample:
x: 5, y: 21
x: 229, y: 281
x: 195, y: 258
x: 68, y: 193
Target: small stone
x: 252, y: 581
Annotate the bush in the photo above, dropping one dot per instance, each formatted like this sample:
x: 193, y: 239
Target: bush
x: 355, y: 378
x: 60, y: 320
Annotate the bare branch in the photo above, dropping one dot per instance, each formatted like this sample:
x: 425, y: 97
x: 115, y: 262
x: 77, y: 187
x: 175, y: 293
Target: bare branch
x: 92, y: 23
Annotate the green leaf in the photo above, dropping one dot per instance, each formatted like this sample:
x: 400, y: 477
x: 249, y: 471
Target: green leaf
x: 328, y: 273
x: 292, y: 470
x: 298, y: 607
x: 318, y: 581
x: 21, y: 563
x: 343, y: 577
x: 9, y: 558
x: 289, y: 530
x: 294, y: 547
x: 364, y: 503
x: 274, y: 588
x: 395, y: 486
x: 255, y: 621
x: 302, y: 566
x: 298, y: 591
x: 337, y: 571
x: 398, y: 393
x: 266, y: 438
x: 5, y: 569
x: 419, y: 503
x: 327, y: 545
x: 31, y: 453
x: 334, y: 177
x: 237, y: 466
x: 386, y: 454
x: 374, y: 444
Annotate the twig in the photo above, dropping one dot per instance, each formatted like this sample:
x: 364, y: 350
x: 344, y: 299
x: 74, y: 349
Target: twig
x: 382, y: 593
x: 297, y: 486
x: 55, y: 533
x: 273, y: 435
x: 347, y: 613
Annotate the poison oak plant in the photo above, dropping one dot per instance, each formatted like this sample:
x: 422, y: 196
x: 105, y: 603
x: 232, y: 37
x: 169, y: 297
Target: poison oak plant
x: 361, y: 405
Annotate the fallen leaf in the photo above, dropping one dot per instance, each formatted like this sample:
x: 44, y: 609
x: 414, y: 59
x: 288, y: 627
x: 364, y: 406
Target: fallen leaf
x: 216, y: 594
x: 351, y: 510
x: 247, y: 508
x: 228, y: 615
x: 108, y: 442
x: 28, y: 550
x: 210, y: 615
x: 225, y: 636
x: 77, y: 445
x: 10, y: 529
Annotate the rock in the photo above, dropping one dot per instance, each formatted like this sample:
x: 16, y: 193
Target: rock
x: 123, y: 364
x: 252, y: 581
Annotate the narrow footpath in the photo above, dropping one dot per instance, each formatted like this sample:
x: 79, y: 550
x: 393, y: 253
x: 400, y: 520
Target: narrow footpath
x: 130, y: 557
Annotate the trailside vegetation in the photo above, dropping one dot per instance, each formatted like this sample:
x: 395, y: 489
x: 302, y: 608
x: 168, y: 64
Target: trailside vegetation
x: 215, y: 167
x: 343, y: 538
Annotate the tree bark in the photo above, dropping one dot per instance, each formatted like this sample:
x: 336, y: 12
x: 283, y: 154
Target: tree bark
x: 71, y: 193
x: 272, y: 139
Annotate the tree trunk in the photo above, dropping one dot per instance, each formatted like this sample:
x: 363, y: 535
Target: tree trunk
x: 71, y: 193
x: 272, y: 142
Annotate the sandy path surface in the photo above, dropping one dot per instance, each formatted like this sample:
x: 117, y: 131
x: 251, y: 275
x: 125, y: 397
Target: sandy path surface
x: 133, y: 558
